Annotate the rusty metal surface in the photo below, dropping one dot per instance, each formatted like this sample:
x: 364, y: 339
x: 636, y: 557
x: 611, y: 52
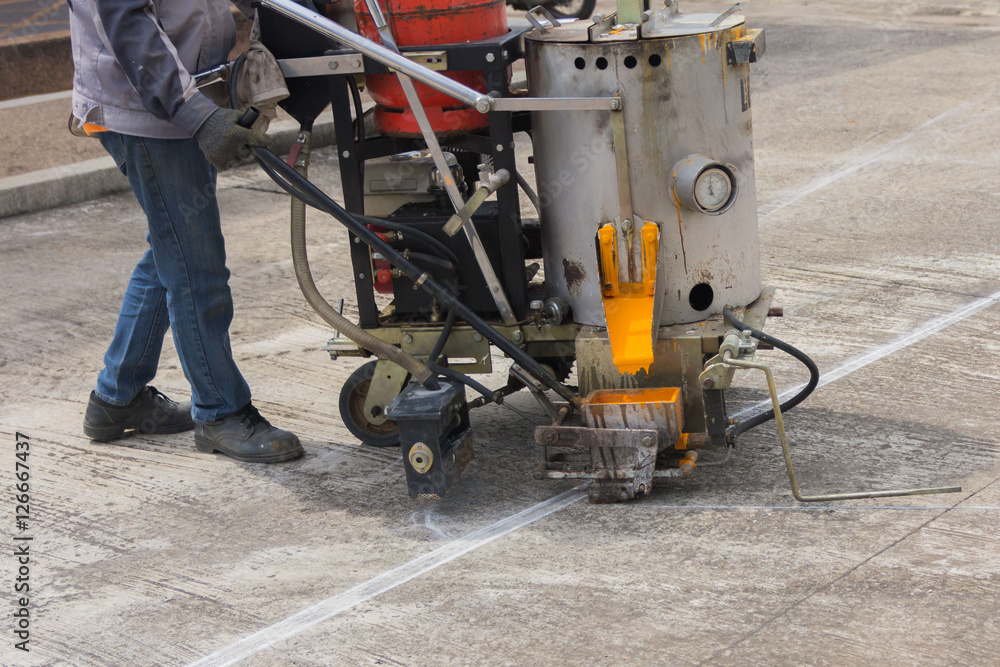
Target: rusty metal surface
x: 657, y: 409
x: 679, y: 354
x: 620, y: 462
x: 704, y: 106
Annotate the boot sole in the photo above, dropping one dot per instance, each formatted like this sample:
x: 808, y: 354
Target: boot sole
x: 205, y: 445
x: 117, y: 431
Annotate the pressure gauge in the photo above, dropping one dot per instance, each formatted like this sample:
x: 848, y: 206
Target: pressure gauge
x: 712, y: 189
x: 704, y: 185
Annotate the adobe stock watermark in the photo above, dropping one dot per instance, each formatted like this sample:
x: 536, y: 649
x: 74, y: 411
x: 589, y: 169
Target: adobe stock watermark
x: 22, y: 543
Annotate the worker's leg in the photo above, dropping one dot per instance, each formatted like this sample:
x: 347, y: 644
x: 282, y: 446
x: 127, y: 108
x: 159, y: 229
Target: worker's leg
x: 175, y: 186
x: 131, y: 360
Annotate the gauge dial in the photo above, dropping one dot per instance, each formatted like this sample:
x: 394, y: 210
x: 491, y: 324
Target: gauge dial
x: 713, y: 189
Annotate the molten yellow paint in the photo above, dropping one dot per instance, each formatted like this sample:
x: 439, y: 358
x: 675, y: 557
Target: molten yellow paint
x: 628, y: 307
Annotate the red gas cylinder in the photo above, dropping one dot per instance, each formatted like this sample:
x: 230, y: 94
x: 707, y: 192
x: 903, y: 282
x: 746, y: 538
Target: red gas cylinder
x: 428, y: 23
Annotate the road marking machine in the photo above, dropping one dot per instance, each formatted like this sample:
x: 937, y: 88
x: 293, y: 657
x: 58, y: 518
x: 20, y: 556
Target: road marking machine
x: 642, y: 265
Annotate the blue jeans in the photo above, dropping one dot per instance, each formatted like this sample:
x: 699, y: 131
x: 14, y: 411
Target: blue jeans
x: 181, y: 281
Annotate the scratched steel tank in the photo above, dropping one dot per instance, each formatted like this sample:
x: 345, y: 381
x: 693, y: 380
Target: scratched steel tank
x: 685, y: 90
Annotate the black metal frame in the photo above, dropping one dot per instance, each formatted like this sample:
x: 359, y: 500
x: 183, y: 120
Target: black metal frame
x: 492, y: 57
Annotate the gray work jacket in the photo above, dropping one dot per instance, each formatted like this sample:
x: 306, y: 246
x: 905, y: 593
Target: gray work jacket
x: 134, y: 60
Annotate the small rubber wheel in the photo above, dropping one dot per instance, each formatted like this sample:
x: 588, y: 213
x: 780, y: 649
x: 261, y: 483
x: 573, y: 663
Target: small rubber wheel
x: 352, y: 411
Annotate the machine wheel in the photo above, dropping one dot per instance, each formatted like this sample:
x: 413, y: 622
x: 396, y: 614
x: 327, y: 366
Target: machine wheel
x: 572, y: 9
x: 560, y: 366
x: 352, y: 405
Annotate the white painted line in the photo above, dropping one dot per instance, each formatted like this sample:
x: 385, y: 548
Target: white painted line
x: 855, y: 166
x: 34, y: 99
x: 823, y: 508
x: 873, y: 355
x: 386, y: 581
x: 332, y: 606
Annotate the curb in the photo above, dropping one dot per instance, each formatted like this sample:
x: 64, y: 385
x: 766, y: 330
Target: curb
x: 83, y: 181
x: 36, y: 64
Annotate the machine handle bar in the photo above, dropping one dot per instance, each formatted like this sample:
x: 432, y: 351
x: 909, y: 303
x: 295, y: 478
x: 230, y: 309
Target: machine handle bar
x: 324, y: 26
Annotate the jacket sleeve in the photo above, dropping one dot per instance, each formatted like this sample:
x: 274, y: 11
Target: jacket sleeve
x: 131, y: 31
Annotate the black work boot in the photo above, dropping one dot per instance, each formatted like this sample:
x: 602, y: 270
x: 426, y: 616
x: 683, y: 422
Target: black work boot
x: 246, y: 436
x: 149, y: 412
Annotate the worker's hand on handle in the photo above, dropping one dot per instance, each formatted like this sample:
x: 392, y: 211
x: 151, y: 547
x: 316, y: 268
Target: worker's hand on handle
x: 225, y: 142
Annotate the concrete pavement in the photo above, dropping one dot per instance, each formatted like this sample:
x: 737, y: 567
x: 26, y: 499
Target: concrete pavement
x: 876, y: 134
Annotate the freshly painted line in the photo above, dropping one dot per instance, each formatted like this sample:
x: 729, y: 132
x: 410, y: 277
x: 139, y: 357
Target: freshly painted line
x: 386, y: 581
x: 873, y: 355
x: 814, y: 508
x: 857, y: 165
x: 34, y: 99
x: 321, y: 611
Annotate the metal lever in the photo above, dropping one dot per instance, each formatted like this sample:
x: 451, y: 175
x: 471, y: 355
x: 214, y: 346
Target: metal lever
x: 772, y: 389
x: 738, y: 7
x: 494, y: 183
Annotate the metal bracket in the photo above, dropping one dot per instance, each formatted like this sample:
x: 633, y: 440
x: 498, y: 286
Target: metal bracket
x: 621, y: 160
x: 537, y: 390
x: 292, y: 68
x: 747, y: 49
x: 555, y: 103
x: 387, y: 381
x: 433, y: 60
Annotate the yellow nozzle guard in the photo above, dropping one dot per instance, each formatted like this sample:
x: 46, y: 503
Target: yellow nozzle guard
x: 628, y: 307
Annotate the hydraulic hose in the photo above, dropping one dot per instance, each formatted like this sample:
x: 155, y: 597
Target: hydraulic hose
x: 451, y: 373
x: 285, y: 176
x: 532, y: 196
x: 430, y: 259
x: 300, y: 260
x: 767, y: 416
x: 412, y: 233
x: 438, y: 348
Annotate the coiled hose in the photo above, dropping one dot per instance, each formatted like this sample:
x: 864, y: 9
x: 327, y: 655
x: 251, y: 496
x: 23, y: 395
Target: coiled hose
x: 767, y: 416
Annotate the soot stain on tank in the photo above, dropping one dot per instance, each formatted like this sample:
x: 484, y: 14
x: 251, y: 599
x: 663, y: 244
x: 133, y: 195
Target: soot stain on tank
x: 574, y: 274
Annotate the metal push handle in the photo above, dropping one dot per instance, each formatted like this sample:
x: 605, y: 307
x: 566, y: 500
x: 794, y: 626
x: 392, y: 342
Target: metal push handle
x: 324, y: 26
x: 772, y: 389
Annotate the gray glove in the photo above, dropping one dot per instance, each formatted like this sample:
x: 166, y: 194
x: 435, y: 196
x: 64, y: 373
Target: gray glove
x: 224, y: 142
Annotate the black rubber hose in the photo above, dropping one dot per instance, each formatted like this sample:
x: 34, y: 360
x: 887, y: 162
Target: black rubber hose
x: 431, y: 259
x: 414, y: 234
x: 421, y: 278
x: 767, y: 416
x: 452, y: 374
x: 417, y: 235
x: 234, y: 77
x: 449, y: 324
